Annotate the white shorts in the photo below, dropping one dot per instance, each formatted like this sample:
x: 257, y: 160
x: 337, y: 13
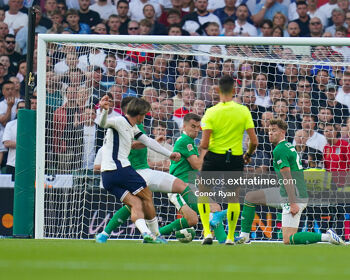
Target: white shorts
x: 274, y: 199
x: 157, y: 181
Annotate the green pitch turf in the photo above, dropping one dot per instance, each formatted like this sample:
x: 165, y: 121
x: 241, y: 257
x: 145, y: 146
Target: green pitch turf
x: 79, y: 260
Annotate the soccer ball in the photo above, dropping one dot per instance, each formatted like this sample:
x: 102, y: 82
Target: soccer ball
x: 185, y: 235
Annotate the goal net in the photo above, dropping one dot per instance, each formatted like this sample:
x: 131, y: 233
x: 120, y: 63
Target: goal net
x: 304, y: 84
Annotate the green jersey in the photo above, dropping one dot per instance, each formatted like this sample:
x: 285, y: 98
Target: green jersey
x: 186, y: 147
x: 138, y: 157
x: 285, y: 155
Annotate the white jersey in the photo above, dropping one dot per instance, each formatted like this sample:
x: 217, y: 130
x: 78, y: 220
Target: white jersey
x: 117, y: 143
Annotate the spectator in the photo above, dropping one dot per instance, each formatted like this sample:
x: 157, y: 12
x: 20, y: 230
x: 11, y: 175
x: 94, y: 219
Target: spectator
x: 4, y: 30
x: 267, y: 10
x: 14, y: 18
x: 149, y: 14
x: 315, y: 27
x: 98, y: 90
x: 103, y: 8
x: 114, y: 24
x: 188, y: 97
x: 341, y: 32
x: 314, y: 11
x: 340, y: 111
x: 249, y: 100
x: 100, y: 28
x: 86, y: 15
x: 58, y: 25
x: 324, y: 117
x: 290, y: 96
x: 303, y: 19
x: 229, y: 26
x: 242, y: 26
x: 343, y: 5
x: 33, y: 102
x: 261, y: 91
x: 155, y: 160
x: 338, y: 18
x: 2, y: 14
x: 266, y: 28
x: 22, y: 34
x: 17, y: 85
x: 194, y: 22
x: 314, y: 140
x: 133, y: 28
x: 74, y: 25
x: 161, y: 79
x: 327, y: 9
x: 115, y: 96
x: 343, y: 93
x: 212, y: 78
x: 9, y: 140
x: 108, y: 78
x: 136, y: 9
x: 293, y: 29
x: 290, y: 77
x: 95, y: 57
x: 310, y: 158
x: 122, y: 79
x: 228, y: 11
x: 279, y: 20
x: 49, y: 7
x: 228, y: 68
x: 245, y: 76
x: 280, y: 109
x: 167, y: 106
x: 89, y: 140
x: 122, y: 11
x: 70, y: 62
x: 61, y: 6
x: 5, y: 61
x: 174, y: 14
x: 336, y: 154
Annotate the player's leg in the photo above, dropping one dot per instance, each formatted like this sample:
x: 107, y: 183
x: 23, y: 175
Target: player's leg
x: 215, y: 219
x: 251, y: 199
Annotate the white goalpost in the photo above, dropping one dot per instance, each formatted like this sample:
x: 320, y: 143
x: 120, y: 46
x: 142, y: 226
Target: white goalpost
x: 275, y: 76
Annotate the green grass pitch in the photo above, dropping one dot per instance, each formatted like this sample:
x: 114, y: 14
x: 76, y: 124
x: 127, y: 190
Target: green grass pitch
x: 84, y: 259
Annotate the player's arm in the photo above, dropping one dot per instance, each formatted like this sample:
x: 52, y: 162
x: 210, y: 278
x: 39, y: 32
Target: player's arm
x: 196, y: 161
x: 104, y: 122
x: 136, y: 145
x: 253, y: 144
x: 290, y: 189
x: 155, y: 146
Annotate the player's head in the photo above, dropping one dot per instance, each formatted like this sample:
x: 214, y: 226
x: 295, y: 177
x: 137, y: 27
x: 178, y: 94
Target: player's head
x: 125, y: 102
x: 226, y: 84
x: 277, y: 130
x: 138, y: 108
x: 192, y: 125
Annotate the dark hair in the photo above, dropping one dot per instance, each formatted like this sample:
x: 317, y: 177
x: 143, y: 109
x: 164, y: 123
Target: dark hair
x: 125, y: 101
x: 192, y: 116
x: 122, y: 1
x: 267, y: 21
x: 301, y: 3
x: 10, y: 36
x: 174, y: 11
x: 226, y: 85
x: 281, y: 124
x: 6, y: 83
x: 280, y: 100
x: 138, y: 106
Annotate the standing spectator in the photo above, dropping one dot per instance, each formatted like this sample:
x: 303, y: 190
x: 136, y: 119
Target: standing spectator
x: 261, y: 91
x: 315, y: 27
x: 62, y: 7
x: 175, y: 11
x: 86, y: 15
x: 324, y: 117
x: 318, y: 91
x: 173, y: 132
x: 89, y: 140
x: 242, y: 26
x: 212, y: 78
x: 58, y: 25
x: 280, y: 109
x: 338, y: 18
x: 161, y: 77
x: 227, y: 11
x: 103, y: 8
x: 74, y: 25
x: 314, y: 11
x: 188, y: 97
x: 267, y: 10
x: 108, y: 78
x: 9, y: 141
x: 303, y: 19
x: 14, y: 18
x: 249, y: 100
x: 194, y: 22
x: 122, y: 11
x: 15, y: 57
x: 341, y: 32
x: 98, y: 90
x: 136, y: 9
x: 122, y: 79
x: 327, y: 9
x: 114, y: 24
x: 340, y: 111
x: 149, y: 14
x: 343, y: 93
x: 49, y: 7
x: 22, y: 34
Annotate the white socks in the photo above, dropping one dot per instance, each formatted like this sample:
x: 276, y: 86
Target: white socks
x: 141, y: 226
x: 153, y: 226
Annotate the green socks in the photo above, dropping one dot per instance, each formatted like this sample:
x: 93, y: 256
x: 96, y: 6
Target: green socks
x: 305, y: 238
x: 174, y: 226
x: 190, y: 198
x: 220, y: 233
x: 119, y: 218
x: 247, y: 218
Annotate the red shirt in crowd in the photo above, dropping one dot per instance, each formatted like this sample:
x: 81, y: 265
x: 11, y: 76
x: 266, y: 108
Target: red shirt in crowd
x: 337, y: 156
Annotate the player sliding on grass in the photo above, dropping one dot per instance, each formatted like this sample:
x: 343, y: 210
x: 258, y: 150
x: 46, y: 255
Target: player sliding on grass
x: 118, y: 177
x: 157, y: 181
x: 292, y: 197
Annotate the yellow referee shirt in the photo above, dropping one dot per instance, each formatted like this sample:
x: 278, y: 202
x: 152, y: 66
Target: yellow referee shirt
x: 228, y: 121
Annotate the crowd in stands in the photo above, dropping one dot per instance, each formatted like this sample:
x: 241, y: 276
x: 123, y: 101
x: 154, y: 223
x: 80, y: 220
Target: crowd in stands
x: 312, y: 97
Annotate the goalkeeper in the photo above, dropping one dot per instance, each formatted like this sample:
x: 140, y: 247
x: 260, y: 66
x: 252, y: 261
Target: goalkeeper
x: 291, y: 197
x: 157, y: 181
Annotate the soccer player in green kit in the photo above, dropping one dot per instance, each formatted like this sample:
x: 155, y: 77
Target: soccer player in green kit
x: 291, y: 197
x: 177, y: 190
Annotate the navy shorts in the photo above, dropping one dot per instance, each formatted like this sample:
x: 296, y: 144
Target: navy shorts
x: 121, y: 181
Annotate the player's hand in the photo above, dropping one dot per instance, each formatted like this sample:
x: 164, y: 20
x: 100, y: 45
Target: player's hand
x: 10, y: 101
x: 247, y: 159
x: 160, y: 139
x: 104, y: 102
x: 294, y: 209
x: 175, y: 156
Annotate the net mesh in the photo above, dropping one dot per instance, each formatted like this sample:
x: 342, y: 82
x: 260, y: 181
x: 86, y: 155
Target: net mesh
x: 290, y: 82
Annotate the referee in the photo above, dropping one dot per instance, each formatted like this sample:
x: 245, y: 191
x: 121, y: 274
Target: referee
x: 223, y: 128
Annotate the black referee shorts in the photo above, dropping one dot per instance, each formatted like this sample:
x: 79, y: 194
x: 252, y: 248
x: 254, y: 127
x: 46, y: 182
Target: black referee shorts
x: 217, y: 162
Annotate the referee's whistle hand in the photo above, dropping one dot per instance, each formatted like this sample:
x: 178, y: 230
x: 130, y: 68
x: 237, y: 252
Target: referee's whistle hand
x: 175, y: 156
x: 246, y: 159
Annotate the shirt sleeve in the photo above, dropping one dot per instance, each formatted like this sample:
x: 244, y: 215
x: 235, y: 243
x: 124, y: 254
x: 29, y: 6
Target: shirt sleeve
x: 137, y: 132
x: 185, y: 148
x: 206, y: 123
x: 249, y: 120
x: 7, y: 133
x: 281, y: 159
